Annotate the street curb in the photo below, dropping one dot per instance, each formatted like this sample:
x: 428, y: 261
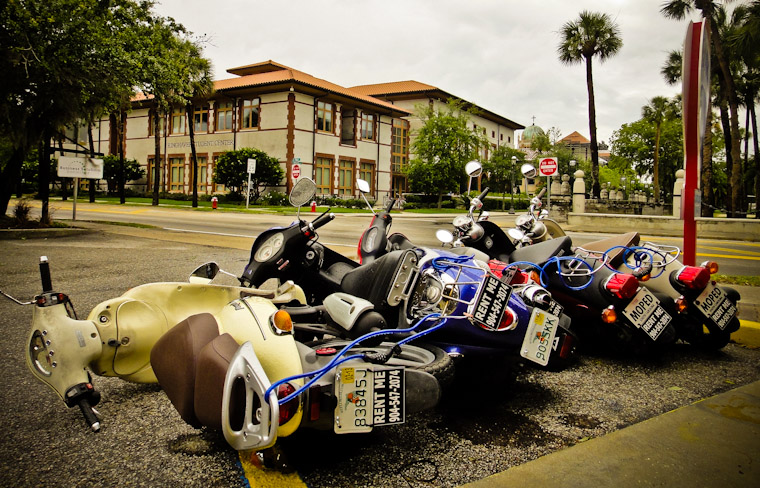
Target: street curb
x: 22, y: 234
x: 748, y: 335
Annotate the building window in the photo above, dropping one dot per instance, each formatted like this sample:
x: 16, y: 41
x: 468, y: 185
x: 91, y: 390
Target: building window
x: 348, y: 126
x: 177, y: 174
x: 493, y: 134
x: 200, y: 118
x: 368, y: 127
x: 250, y: 113
x: 325, y: 116
x: 151, y: 174
x: 367, y: 173
x: 223, y: 116
x: 399, y: 145
x: 501, y: 137
x: 323, y: 175
x: 345, y: 177
x: 202, y: 169
x: 151, y: 120
x: 217, y: 187
x: 178, y: 121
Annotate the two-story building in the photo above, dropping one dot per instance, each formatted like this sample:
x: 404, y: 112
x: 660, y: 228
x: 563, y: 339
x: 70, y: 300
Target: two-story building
x: 316, y: 128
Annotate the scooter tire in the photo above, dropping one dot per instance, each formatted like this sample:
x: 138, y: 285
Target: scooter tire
x: 712, y: 339
x: 420, y: 356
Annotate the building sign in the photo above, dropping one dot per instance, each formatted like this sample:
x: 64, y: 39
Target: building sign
x: 86, y: 167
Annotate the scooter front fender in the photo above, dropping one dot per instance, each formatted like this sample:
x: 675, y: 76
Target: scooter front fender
x: 59, y: 348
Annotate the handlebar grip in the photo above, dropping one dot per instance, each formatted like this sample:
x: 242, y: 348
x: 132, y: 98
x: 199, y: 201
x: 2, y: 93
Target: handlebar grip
x: 541, y: 193
x: 89, y: 415
x: 390, y: 205
x: 47, y: 284
x: 322, y: 220
x: 483, y: 195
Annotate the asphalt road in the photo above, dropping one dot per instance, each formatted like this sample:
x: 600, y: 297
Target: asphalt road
x: 492, y: 419
x: 734, y: 257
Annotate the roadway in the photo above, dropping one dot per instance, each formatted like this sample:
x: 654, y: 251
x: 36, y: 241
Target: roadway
x: 734, y: 257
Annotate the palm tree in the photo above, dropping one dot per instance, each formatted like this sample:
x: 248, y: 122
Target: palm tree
x: 592, y: 34
x: 678, y: 9
x: 656, y: 112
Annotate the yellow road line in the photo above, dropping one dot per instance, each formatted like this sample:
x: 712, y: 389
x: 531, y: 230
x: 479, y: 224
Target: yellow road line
x: 261, y: 477
x: 726, y: 256
x: 712, y: 241
x: 753, y: 253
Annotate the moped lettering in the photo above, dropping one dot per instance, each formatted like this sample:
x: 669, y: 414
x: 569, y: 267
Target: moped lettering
x: 641, y: 307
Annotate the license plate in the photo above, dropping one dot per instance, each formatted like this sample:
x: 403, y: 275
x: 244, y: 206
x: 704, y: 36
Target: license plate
x: 539, y: 338
x: 715, y: 304
x: 369, y: 397
x: 646, y: 313
x: 491, y: 302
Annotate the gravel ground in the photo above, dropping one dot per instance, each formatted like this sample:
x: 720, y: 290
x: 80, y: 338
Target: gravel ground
x: 492, y: 419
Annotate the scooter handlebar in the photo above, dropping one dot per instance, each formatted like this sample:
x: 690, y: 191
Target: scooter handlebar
x: 483, y: 195
x: 89, y: 415
x: 541, y: 193
x: 47, y: 284
x: 390, y: 205
x: 322, y: 220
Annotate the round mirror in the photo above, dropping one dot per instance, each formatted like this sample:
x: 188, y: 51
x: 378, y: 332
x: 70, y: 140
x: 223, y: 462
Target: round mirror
x: 362, y: 185
x: 473, y: 169
x: 528, y: 170
x: 444, y: 236
x: 515, y: 234
x: 303, y: 191
x: 205, y: 273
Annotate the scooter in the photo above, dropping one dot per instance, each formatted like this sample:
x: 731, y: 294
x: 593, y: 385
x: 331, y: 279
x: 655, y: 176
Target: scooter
x: 611, y: 309
x: 393, y: 289
x: 227, y: 359
x: 706, y: 313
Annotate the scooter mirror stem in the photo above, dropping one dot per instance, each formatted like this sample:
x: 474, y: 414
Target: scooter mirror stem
x: 13, y: 299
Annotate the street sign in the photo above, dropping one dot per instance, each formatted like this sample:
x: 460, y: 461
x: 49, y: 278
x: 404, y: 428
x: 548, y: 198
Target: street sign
x: 71, y: 167
x: 296, y: 169
x: 547, y: 166
x: 251, y: 165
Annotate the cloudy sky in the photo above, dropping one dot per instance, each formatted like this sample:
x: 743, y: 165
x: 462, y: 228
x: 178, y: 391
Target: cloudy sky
x: 499, y: 54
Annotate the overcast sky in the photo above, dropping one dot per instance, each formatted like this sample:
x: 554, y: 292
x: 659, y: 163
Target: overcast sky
x: 501, y: 55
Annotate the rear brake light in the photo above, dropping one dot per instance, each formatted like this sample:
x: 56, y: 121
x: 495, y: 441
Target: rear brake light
x: 289, y: 409
x: 609, y: 315
x: 711, y: 266
x: 622, y: 285
x: 693, y: 277
x: 508, y: 321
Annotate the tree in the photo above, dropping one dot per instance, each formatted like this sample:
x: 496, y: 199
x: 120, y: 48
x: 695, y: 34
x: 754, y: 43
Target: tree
x: 443, y: 145
x: 657, y: 111
x: 501, y: 171
x: 592, y: 35
x: 678, y: 9
x: 232, y: 171
x: 112, y: 171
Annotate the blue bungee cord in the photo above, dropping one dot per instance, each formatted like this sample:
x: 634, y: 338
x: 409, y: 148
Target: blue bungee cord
x: 639, y: 253
x: 558, y: 261
x: 452, y: 259
x: 338, y: 359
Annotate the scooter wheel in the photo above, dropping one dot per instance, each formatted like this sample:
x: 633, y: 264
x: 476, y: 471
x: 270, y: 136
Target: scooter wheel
x: 711, y: 339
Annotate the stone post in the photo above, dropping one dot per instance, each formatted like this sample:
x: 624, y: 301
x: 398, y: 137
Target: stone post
x: 579, y: 192
x: 677, y: 190
x: 565, y: 186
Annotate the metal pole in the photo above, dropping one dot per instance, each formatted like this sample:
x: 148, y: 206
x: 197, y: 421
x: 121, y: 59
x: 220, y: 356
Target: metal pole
x: 248, y: 191
x: 74, y: 208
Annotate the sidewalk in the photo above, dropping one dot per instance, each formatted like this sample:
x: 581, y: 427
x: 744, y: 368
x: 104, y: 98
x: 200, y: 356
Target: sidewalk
x: 713, y: 442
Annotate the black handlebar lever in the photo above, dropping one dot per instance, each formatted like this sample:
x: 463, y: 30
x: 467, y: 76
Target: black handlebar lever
x: 47, y: 284
x: 483, y: 195
x: 541, y: 193
x: 85, y: 397
x: 391, y: 203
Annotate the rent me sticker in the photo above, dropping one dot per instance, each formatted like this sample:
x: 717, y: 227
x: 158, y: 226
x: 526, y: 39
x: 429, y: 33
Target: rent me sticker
x: 388, y: 403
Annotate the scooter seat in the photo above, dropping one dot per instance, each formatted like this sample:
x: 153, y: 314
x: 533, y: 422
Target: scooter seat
x: 174, y: 359
x: 616, y: 255
x: 213, y: 362
x: 543, y: 251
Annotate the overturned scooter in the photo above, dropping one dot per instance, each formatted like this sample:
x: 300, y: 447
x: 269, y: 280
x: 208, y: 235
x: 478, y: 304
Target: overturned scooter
x: 204, y: 344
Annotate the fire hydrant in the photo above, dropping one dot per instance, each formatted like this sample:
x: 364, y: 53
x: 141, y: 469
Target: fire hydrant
x: 313, y: 206
x: 214, y: 200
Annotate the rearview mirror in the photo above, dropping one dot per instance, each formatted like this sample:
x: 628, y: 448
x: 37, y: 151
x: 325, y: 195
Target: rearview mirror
x: 205, y: 273
x: 303, y: 191
x: 473, y: 169
x: 362, y: 185
x: 528, y: 170
x: 444, y: 236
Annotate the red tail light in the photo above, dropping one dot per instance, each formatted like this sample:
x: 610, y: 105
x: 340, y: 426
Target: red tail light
x: 693, y: 277
x: 622, y: 285
x: 288, y: 410
x: 508, y: 321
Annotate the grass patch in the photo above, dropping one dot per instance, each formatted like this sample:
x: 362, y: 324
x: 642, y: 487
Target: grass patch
x: 737, y: 280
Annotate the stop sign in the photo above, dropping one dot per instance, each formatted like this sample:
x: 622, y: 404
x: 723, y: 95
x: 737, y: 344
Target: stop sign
x: 296, y: 170
x: 547, y: 166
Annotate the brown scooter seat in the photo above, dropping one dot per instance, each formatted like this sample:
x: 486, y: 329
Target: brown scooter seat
x: 615, y: 256
x: 190, y: 362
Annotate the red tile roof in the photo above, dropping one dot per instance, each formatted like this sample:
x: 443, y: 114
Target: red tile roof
x: 574, y: 138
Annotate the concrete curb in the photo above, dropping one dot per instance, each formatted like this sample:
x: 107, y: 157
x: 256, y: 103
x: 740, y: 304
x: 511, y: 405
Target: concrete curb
x: 9, y: 234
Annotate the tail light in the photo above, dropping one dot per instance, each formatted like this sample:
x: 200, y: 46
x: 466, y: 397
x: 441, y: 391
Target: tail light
x: 693, y: 277
x: 609, y: 315
x: 508, y: 321
x: 622, y: 285
x: 568, y: 346
x: 711, y: 266
x: 289, y: 409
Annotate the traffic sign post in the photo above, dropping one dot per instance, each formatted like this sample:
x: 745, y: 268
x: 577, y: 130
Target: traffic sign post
x: 251, y: 170
x: 548, y: 167
x: 86, y: 167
